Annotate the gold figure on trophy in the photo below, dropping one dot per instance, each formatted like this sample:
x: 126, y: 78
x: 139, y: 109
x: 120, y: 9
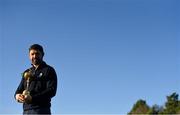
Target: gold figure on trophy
x: 27, y: 75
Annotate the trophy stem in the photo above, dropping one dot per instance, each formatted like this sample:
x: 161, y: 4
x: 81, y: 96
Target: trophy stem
x: 27, y: 76
x: 27, y: 87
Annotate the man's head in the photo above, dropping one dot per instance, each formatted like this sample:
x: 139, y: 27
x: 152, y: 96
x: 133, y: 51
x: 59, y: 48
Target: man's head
x: 36, y: 54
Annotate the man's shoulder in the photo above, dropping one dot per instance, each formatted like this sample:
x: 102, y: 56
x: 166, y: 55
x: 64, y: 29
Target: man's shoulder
x: 50, y: 71
x: 51, y: 68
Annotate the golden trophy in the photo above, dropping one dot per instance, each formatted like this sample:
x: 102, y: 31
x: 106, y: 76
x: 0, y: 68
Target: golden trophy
x: 27, y: 76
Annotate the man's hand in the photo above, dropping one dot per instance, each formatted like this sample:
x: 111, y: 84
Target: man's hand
x: 20, y: 98
x: 27, y: 98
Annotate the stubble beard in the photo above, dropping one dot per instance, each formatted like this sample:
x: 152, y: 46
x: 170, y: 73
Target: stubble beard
x: 36, y: 61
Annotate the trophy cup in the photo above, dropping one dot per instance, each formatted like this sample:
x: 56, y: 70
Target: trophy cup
x: 27, y: 75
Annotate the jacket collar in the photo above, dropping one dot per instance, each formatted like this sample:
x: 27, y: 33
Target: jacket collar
x: 40, y: 66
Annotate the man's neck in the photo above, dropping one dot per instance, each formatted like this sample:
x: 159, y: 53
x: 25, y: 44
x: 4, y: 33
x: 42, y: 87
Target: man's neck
x: 36, y: 66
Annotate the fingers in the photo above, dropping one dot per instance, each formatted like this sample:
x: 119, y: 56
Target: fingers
x: 23, y: 98
x: 21, y: 101
x: 20, y: 98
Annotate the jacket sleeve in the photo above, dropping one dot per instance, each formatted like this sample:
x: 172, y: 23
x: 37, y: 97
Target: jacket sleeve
x: 51, y: 87
x: 20, y: 88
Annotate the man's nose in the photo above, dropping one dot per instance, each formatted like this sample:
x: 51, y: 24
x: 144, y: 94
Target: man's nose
x: 34, y: 55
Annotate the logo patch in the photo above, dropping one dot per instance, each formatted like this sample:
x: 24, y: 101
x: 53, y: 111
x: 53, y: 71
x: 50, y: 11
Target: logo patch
x: 40, y: 75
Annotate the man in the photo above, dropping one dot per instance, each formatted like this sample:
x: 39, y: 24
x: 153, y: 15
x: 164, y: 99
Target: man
x: 41, y: 85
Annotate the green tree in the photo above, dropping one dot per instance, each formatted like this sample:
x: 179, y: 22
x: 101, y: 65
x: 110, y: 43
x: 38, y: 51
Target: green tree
x: 178, y: 108
x: 155, y: 109
x: 140, y: 107
x: 171, y: 106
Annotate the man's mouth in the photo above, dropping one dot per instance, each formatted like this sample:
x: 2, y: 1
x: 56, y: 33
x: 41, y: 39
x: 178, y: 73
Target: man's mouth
x: 35, y: 60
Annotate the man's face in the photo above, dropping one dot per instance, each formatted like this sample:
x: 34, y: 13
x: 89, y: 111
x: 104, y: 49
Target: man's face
x: 35, y: 56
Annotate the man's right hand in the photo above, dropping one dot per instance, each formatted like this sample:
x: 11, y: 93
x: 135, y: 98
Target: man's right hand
x: 20, y: 98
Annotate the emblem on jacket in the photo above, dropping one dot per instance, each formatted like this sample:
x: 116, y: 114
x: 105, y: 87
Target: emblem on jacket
x: 40, y: 75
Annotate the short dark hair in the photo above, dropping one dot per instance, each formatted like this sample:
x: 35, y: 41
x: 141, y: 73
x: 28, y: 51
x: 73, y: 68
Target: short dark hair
x: 36, y: 47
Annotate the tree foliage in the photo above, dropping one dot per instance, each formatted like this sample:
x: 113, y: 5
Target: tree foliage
x: 155, y: 109
x: 171, y: 106
x: 140, y: 107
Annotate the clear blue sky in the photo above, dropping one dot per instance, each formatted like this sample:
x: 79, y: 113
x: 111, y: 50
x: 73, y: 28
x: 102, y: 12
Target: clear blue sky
x: 107, y: 53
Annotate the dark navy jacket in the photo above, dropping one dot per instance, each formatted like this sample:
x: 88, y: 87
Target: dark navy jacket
x: 42, y: 86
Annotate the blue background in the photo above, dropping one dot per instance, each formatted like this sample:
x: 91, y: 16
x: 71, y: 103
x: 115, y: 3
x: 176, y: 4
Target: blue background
x: 107, y: 53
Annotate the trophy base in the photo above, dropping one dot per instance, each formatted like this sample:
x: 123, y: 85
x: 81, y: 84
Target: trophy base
x: 26, y: 92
